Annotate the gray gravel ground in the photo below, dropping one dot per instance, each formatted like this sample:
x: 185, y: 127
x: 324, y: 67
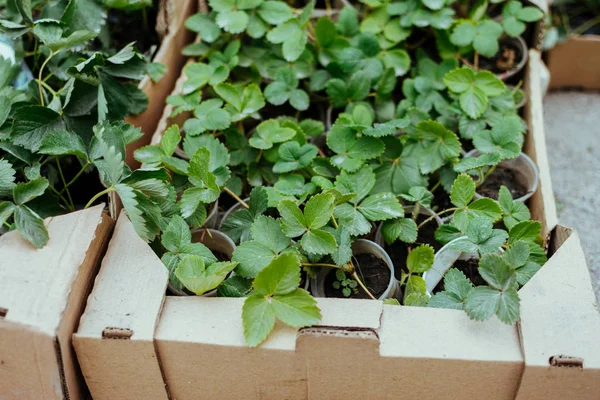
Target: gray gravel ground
x: 572, y: 125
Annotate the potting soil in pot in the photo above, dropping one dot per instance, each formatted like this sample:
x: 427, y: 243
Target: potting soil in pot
x: 372, y: 270
x: 506, y: 59
x: 502, y: 176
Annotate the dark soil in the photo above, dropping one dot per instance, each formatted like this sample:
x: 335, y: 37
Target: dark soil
x: 441, y: 200
x: 507, y: 58
x: 126, y: 27
x: 221, y: 257
x: 398, y: 251
x: 502, y: 176
x: 470, y: 269
x: 372, y: 270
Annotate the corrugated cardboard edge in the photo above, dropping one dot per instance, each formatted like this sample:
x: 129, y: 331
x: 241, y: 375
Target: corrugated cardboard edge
x: 574, y: 63
x: 115, y: 339
x: 169, y: 54
x: 560, y: 327
x: 38, y: 361
x: 542, y: 203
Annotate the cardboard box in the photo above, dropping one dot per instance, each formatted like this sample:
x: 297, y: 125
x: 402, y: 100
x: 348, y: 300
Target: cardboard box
x: 175, y: 12
x: 136, y: 342
x: 42, y: 296
x: 575, y: 63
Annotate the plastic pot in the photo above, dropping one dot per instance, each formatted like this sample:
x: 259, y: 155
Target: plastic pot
x: 408, y: 211
x: 360, y: 246
x: 522, y: 51
x: 525, y: 170
x: 443, y: 261
x: 522, y: 103
x: 216, y: 242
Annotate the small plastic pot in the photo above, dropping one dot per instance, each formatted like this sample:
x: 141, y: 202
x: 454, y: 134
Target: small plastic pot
x: 408, y: 210
x: 525, y: 170
x: 212, y: 219
x: 360, y: 246
x: 216, y: 242
x: 522, y: 49
x: 444, y: 260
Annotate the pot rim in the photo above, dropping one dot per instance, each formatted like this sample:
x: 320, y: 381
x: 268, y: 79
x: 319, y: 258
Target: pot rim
x: 533, y: 185
x: 519, y: 67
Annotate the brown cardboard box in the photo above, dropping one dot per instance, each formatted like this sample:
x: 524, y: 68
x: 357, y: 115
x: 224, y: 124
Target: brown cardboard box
x: 169, y: 53
x: 575, y: 63
x: 136, y: 343
x: 42, y: 296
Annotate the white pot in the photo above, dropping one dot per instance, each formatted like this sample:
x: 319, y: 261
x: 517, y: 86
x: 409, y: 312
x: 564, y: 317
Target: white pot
x: 524, y: 57
x: 216, y: 241
x: 525, y: 170
x: 360, y: 246
x: 444, y: 260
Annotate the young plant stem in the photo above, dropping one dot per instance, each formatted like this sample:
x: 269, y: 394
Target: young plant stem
x: 145, y: 19
x: 416, y: 211
x: 585, y: 26
x: 466, y: 62
x: 476, y: 65
x: 41, y: 74
x: 64, y: 181
x: 362, y: 285
x: 436, y: 215
x: 60, y: 196
x: 229, y: 192
x: 348, y: 268
x: 7, y: 224
x: 97, y: 196
x: 72, y: 181
x: 487, y: 174
x: 437, y: 185
x: 334, y: 222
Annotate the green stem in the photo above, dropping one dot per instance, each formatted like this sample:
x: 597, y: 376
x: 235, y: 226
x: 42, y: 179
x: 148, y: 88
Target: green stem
x: 437, y: 215
x: 357, y: 279
x: 64, y: 181
x: 235, y: 196
x: 584, y: 27
x: 76, y: 176
x: 437, y: 185
x: 44, y: 84
x: 416, y: 211
x: 335, y: 224
x: 145, y: 19
x: 93, y: 199
x: 60, y: 196
x: 41, y: 73
x: 487, y: 174
x: 346, y: 267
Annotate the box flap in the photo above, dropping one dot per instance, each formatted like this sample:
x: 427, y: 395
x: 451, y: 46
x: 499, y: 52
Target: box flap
x: 559, y: 328
x: 574, y: 63
x: 35, y: 283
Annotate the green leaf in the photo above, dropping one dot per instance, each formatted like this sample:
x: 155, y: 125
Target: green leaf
x: 268, y: 231
x: 232, y: 21
x: 252, y: 257
x: 293, y: 221
x: 459, y: 80
x: 489, y: 83
x: 299, y: 99
x: 275, y: 12
x: 359, y: 86
x: 31, y: 226
x: 486, y: 39
x: 446, y: 300
x: 170, y: 140
x: 463, y: 191
x: 156, y: 71
x: 527, y: 231
x: 403, y: 229
x: 201, y: 23
x: 473, y: 102
x: 198, y: 279
x: 135, y: 214
x: 235, y: 286
x: 517, y: 254
x: 7, y: 177
x: 292, y: 156
x: 6, y: 211
x: 258, y: 318
x: 482, y: 302
x: 420, y: 259
x: 318, y: 210
x: 280, y: 277
x: 297, y: 308
x: 176, y: 234
x: 514, y: 211
x: 381, y: 206
x: 31, y: 124
x: 24, y: 192
x: 359, y: 183
x: 497, y: 273
x: 199, y: 175
x: 318, y: 241
x: 62, y: 142
x: 399, y: 60
x: 457, y: 283
x: 463, y: 34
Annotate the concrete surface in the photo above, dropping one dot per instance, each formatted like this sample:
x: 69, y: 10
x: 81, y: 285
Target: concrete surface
x: 572, y: 125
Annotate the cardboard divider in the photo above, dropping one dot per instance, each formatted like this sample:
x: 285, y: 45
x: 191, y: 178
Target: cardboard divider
x: 42, y: 293
x: 542, y: 203
x: 115, y: 340
x: 169, y: 54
